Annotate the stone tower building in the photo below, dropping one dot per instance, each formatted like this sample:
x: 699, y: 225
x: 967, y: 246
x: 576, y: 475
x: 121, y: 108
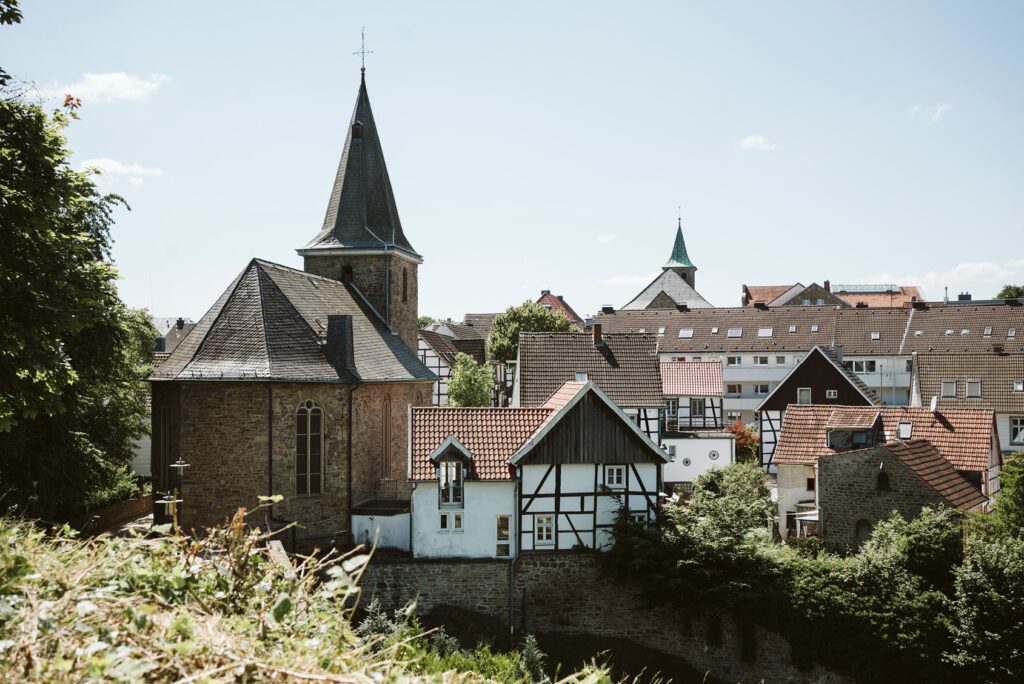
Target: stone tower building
x: 361, y: 240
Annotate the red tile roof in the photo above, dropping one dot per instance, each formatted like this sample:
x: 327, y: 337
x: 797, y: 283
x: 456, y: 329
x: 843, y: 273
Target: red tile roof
x: 557, y: 303
x: 851, y: 417
x: 492, y: 435
x: 691, y: 378
x: 964, y: 437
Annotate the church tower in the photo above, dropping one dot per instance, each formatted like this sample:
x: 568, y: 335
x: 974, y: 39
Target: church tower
x: 361, y: 240
x: 680, y: 261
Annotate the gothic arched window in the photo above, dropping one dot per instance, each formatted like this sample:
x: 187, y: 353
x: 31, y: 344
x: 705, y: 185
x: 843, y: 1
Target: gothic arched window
x: 309, y: 449
x: 882, y: 483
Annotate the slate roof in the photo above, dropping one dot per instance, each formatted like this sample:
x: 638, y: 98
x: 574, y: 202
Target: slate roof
x: 691, y: 378
x: 673, y: 285
x: 964, y: 437
x: 361, y: 211
x: 925, y: 460
x: 271, y: 324
x: 558, y: 303
x: 625, y: 367
x: 492, y: 435
x: 448, y: 347
x: 997, y: 373
x: 901, y: 330
x: 174, y: 335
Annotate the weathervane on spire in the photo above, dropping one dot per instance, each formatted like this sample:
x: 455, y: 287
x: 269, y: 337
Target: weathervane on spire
x: 362, y: 51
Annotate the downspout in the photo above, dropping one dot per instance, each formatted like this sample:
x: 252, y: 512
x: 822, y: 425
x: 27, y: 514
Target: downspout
x: 351, y: 401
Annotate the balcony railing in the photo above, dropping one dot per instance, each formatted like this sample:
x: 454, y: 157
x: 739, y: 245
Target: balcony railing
x: 670, y: 423
x: 387, y: 496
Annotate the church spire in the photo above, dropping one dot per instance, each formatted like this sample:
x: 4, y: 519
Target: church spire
x: 361, y: 213
x: 679, y: 258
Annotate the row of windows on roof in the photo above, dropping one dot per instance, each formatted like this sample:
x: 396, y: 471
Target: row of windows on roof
x: 973, y: 388
x: 987, y: 332
x: 687, y: 333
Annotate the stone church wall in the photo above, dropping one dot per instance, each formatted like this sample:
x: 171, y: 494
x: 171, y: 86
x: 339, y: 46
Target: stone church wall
x: 565, y: 593
x: 369, y: 273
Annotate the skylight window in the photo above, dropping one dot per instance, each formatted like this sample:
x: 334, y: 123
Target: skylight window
x: 661, y: 331
x: 1012, y: 332
x: 643, y: 330
x: 792, y: 328
x: 735, y: 332
x: 714, y: 330
x: 918, y: 333
x: 581, y: 376
x: 988, y: 331
x: 904, y: 430
x: 814, y: 328
x: 949, y: 389
x: 965, y: 331
x: 686, y: 332
x: 876, y: 335
x: 974, y: 389
x: 949, y: 333
x: 764, y: 332
x: 1018, y: 385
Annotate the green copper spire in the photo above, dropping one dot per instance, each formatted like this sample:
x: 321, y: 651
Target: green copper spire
x: 679, y: 258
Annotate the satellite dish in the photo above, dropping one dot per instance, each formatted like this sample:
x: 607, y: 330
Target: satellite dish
x: 935, y: 404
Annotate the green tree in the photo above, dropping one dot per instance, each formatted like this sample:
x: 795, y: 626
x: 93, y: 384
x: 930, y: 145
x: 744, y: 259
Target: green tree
x: 424, y: 321
x: 503, y: 342
x: 73, y: 357
x: 471, y: 383
x: 1011, y: 292
x: 1008, y: 513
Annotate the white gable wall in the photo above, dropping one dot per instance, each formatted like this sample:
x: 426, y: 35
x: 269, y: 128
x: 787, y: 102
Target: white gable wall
x: 482, y: 503
x: 694, y: 455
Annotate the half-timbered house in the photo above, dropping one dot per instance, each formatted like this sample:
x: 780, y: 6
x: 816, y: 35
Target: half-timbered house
x: 625, y: 367
x: 494, y: 482
x: 438, y: 352
x: 692, y: 422
x: 819, y: 378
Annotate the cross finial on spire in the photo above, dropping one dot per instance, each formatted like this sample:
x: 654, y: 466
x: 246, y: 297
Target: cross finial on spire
x: 679, y: 213
x: 362, y: 51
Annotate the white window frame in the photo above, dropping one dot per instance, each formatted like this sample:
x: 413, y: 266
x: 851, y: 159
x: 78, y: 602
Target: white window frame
x: 686, y: 333
x: 582, y: 376
x: 714, y: 330
x: 780, y: 360
x: 760, y: 360
x: 764, y: 332
x: 1018, y: 385
x: 700, y: 404
x: 729, y: 392
x: 661, y: 331
x: 1016, y: 429
x: 734, y: 332
x: 733, y: 360
x: 792, y: 328
x: 615, y: 476
x: 762, y: 389
x: 831, y: 394
x: 814, y: 328
x: 672, y: 407
x: 543, y: 530
x: 499, y: 541
x: 906, y: 433
x: 799, y: 394
x: 942, y: 389
x: 639, y: 518
x: 451, y: 484
x: 875, y: 336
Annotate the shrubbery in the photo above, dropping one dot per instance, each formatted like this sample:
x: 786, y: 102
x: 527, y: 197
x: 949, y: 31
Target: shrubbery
x: 916, y: 603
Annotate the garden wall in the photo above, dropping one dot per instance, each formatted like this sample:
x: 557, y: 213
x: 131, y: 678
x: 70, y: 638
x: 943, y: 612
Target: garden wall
x: 565, y: 593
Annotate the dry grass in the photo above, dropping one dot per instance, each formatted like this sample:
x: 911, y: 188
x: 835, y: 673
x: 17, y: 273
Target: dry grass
x: 215, y: 609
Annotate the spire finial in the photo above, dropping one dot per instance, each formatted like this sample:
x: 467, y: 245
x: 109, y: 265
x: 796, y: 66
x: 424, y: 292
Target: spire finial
x: 679, y: 213
x: 362, y: 52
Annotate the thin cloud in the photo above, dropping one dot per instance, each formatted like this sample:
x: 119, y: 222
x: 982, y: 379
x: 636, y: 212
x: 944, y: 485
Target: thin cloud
x: 981, y: 278
x: 930, y: 113
x: 604, y: 238
x: 758, y: 143
x: 629, y: 279
x: 110, y: 87
x: 111, y: 169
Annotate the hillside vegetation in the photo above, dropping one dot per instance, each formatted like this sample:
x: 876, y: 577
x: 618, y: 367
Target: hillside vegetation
x: 212, y: 610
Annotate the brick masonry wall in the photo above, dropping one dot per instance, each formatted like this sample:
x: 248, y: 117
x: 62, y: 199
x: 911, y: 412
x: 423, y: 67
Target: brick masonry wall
x: 370, y: 275
x: 848, y: 492
x: 565, y: 593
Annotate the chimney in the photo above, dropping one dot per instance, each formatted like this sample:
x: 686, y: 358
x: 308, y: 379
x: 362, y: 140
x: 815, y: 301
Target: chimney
x: 682, y: 307
x: 180, y: 323
x: 838, y: 350
x: 607, y: 309
x: 828, y: 286
x: 339, y: 349
x: 544, y: 293
x: 964, y: 297
x: 596, y: 330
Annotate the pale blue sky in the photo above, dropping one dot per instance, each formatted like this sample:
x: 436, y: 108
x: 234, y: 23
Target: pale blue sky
x: 547, y: 145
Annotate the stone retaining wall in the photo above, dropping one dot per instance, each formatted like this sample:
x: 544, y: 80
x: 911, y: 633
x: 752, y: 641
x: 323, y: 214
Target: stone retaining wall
x: 566, y: 593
